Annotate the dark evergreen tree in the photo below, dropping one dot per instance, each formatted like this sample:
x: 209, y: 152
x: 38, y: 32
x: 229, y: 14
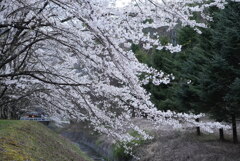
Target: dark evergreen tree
x: 207, y: 70
x: 163, y: 60
x: 220, y: 81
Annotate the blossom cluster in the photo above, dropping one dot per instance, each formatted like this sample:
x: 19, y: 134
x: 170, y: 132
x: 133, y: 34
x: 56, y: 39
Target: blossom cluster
x: 68, y: 58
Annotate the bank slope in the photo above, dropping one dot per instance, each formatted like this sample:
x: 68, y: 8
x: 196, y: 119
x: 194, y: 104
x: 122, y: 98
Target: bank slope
x: 32, y: 141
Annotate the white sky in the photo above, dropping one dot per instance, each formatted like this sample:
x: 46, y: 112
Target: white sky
x: 122, y: 3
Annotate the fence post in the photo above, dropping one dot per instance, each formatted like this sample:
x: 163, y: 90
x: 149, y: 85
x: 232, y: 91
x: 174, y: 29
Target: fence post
x: 198, y: 128
x: 221, y: 134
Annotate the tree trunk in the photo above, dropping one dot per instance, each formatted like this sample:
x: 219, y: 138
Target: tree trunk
x: 8, y: 113
x: 198, y: 128
x: 221, y: 134
x: 234, y: 129
x: 4, y: 113
x: 1, y: 112
x: 133, y: 112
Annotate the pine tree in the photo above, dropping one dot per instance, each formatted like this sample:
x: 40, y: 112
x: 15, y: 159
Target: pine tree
x: 220, y: 82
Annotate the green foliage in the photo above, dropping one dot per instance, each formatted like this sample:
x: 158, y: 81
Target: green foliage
x: 221, y: 81
x: 148, y: 21
x: 119, y: 150
x: 141, y: 55
x: 164, y: 40
x: 161, y: 60
x: 233, y: 96
x: 120, y: 154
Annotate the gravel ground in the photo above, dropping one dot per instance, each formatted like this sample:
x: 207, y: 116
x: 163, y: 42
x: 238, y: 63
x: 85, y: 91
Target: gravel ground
x: 184, y: 145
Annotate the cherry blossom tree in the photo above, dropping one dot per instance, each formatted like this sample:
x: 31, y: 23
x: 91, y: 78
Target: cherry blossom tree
x: 72, y: 58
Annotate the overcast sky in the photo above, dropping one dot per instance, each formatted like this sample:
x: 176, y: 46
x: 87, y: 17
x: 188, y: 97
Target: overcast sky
x: 121, y: 3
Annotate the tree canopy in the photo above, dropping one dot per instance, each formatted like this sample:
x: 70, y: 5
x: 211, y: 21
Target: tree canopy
x: 72, y: 59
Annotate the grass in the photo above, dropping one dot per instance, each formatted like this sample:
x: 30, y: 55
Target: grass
x: 32, y: 141
x: 211, y: 137
x: 119, y: 150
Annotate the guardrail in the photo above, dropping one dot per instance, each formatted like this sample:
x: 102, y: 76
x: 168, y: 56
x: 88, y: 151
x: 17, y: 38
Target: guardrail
x: 35, y: 118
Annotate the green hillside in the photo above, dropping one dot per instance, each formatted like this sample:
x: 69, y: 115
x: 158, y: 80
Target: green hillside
x: 32, y: 141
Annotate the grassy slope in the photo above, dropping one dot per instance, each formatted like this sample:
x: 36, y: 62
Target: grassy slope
x: 32, y: 141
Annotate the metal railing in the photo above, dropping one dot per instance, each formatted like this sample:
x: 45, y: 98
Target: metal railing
x: 35, y: 118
